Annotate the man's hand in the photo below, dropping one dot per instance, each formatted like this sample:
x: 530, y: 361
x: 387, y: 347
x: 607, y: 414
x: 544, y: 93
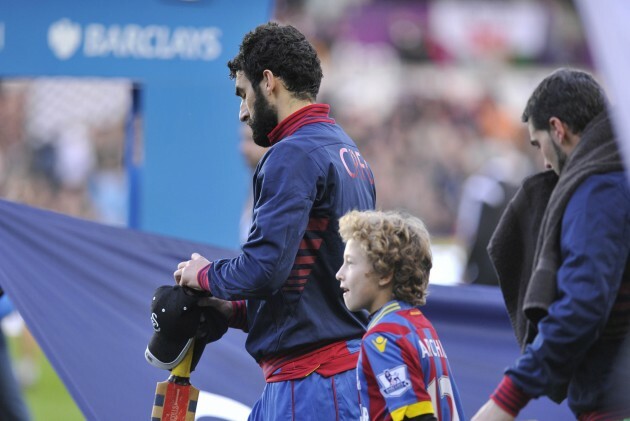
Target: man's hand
x: 492, y: 412
x: 222, y: 306
x: 186, y: 273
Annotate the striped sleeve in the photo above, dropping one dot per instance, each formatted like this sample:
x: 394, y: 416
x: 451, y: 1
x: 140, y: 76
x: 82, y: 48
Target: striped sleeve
x: 510, y: 397
x: 239, y: 316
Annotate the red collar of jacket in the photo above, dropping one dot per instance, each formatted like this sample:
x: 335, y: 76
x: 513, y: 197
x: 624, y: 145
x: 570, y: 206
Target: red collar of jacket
x: 314, y: 113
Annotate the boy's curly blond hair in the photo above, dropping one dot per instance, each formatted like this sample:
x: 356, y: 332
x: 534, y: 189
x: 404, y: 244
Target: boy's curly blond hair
x: 396, y: 244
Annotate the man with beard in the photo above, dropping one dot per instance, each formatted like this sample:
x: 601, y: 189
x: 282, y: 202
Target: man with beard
x: 282, y: 289
x: 569, y: 301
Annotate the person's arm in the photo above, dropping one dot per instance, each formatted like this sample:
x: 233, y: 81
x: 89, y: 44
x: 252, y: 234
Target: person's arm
x: 594, y: 250
x: 286, y: 189
x: 286, y: 185
x: 504, y: 404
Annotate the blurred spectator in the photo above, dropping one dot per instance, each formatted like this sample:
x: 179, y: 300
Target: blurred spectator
x: 485, y: 196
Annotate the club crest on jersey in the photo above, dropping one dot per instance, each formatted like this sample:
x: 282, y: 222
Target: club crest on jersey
x: 380, y: 343
x: 394, y: 381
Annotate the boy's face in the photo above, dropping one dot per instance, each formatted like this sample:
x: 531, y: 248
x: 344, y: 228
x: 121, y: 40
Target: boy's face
x: 358, y: 281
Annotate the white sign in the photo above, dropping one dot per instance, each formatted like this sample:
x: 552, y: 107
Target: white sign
x: 151, y: 42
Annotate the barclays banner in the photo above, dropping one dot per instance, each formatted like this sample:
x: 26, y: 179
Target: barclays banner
x: 120, y: 38
x: 160, y: 42
x: 174, y: 52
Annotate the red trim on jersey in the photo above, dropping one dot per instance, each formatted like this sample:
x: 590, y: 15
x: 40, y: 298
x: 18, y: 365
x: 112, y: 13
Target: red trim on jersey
x: 292, y: 400
x: 311, y: 244
x: 305, y: 260
x: 317, y: 224
x: 238, y: 320
x: 203, y: 277
x: 313, y: 113
x: 300, y: 272
x: 298, y: 278
x: 510, y: 397
x: 327, y: 361
x: 334, y: 389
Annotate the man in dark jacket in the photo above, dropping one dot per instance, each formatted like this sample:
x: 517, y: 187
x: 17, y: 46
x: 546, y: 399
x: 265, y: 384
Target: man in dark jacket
x: 570, y: 310
x: 282, y: 287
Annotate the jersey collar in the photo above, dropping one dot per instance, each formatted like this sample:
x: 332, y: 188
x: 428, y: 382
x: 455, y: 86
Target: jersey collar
x: 313, y: 113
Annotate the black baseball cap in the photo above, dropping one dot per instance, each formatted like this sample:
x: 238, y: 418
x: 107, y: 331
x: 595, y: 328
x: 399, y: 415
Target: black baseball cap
x: 175, y: 316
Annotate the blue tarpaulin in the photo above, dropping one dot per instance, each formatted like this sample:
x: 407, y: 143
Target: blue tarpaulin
x: 84, y: 289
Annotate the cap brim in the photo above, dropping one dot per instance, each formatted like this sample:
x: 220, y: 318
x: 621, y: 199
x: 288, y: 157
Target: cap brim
x: 166, y: 353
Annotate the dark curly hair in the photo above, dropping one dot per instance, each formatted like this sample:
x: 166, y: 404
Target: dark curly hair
x: 396, y: 244
x: 571, y: 95
x: 286, y: 52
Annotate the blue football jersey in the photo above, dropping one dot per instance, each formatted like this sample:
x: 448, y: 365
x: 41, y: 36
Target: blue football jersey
x: 403, y: 369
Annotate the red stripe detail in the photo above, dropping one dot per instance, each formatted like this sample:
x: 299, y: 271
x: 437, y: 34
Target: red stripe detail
x: 334, y: 389
x: 317, y: 224
x: 293, y: 289
x: 304, y: 260
x: 314, y: 113
x: 300, y: 272
x: 510, y: 397
x: 292, y: 402
x: 175, y: 402
x: 203, y: 277
x: 311, y: 244
x: 300, y: 281
x: 239, y: 315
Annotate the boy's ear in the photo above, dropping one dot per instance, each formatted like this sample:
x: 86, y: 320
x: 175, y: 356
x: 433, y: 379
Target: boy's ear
x: 386, y: 280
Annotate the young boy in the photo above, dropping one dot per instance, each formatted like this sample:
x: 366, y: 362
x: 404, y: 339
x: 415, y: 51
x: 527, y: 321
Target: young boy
x: 402, y: 372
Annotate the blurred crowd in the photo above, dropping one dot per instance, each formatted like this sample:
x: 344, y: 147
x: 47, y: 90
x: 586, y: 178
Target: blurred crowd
x: 431, y: 91
x: 61, y: 145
